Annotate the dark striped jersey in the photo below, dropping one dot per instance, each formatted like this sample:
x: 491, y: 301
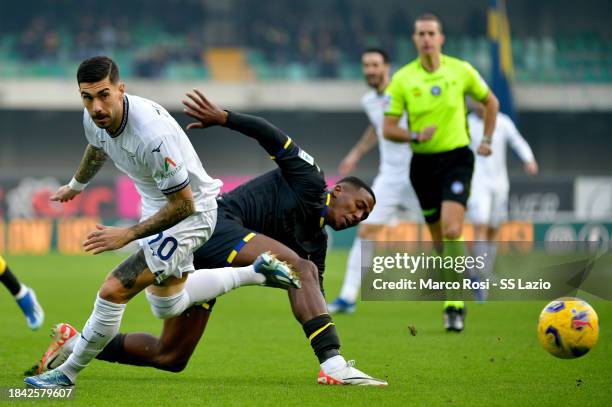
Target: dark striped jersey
x: 287, y: 204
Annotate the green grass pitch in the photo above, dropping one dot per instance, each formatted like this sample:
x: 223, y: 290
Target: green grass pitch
x: 253, y: 352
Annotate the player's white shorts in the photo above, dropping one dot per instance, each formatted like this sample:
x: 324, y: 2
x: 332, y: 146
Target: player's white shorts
x: 488, y: 205
x: 395, y: 200
x: 170, y: 253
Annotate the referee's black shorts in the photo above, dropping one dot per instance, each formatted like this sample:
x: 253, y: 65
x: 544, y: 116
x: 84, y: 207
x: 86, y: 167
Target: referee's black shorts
x: 441, y: 177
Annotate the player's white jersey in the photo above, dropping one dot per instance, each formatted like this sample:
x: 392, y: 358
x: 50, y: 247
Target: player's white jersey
x: 492, y: 170
x: 394, y: 157
x: 154, y: 151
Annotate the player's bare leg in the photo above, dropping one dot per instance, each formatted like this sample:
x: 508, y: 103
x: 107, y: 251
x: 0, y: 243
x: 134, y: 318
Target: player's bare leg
x: 310, y: 310
x: 170, y: 351
x: 435, y: 230
x: 306, y: 302
x: 480, y: 232
x: 181, y: 334
x: 451, y: 219
x: 306, y: 305
x: 492, y: 232
x: 169, y: 299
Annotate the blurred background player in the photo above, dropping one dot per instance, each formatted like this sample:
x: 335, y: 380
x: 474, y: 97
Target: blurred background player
x: 395, y: 196
x: 488, y: 202
x: 432, y: 89
x: 25, y: 296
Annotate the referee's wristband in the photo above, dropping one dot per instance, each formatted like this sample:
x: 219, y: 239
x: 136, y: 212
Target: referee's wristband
x: 76, y: 185
x: 414, y: 136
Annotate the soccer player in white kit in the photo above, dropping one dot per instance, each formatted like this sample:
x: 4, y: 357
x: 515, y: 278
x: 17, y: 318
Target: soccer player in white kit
x: 395, y: 198
x: 488, y: 202
x: 179, y: 210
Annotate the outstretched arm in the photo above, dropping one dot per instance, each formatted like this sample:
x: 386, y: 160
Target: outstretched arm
x: 365, y: 144
x: 208, y: 114
x: 297, y: 166
x: 93, y: 159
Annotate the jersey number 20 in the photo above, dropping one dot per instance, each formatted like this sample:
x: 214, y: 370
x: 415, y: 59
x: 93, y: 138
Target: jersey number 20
x: 169, y: 241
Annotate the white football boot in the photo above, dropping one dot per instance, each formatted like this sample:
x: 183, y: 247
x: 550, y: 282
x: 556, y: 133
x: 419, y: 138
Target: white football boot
x: 349, y: 375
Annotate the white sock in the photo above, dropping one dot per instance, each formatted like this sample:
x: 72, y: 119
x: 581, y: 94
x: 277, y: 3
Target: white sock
x: 352, y: 278
x: 491, y: 255
x: 22, y: 292
x: 332, y: 364
x: 480, y: 247
x: 206, y: 284
x: 101, y: 327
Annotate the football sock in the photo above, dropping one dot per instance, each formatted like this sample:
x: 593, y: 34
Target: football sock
x: 100, y: 329
x: 321, y: 332
x: 8, y: 278
x: 23, y: 291
x: 459, y: 305
x: 205, y: 284
x: 490, y: 260
x: 453, y: 248
x: 352, y: 278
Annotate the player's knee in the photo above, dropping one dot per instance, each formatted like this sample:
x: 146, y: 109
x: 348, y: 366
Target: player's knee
x: 452, y: 231
x: 309, y: 273
x: 113, y: 291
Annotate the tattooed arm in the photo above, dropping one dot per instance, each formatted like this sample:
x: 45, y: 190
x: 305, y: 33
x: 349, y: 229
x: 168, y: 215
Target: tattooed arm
x: 180, y: 205
x: 92, y: 161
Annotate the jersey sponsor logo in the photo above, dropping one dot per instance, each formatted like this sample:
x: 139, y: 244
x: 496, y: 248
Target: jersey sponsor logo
x: 168, y: 163
x: 170, y: 168
x: 416, y: 92
x: 157, y: 150
x: 306, y: 157
x: 436, y: 90
x: 457, y: 187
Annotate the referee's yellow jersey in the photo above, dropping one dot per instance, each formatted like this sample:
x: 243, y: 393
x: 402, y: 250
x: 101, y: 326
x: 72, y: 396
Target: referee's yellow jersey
x: 436, y: 99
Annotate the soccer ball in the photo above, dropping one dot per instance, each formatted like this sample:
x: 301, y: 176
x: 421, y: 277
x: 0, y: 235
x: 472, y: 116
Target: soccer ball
x: 568, y: 328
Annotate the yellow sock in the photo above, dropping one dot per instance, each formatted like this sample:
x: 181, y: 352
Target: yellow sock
x: 454, y: 248
x: 456, y: 304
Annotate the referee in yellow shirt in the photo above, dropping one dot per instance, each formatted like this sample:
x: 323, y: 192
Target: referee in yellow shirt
x: 432, y: 90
